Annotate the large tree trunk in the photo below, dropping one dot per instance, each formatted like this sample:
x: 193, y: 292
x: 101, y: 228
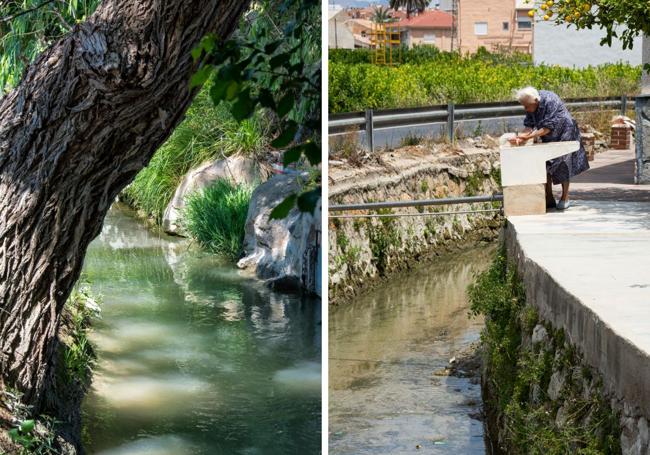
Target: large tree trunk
x: 88, y: 115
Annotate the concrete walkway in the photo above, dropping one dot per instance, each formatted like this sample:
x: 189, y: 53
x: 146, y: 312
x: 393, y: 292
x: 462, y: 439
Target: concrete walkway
x: 588, y: 271
x: 611, y: 177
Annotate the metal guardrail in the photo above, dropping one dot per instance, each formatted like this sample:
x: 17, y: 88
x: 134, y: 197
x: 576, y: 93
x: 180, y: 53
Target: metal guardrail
x: 371, y: 120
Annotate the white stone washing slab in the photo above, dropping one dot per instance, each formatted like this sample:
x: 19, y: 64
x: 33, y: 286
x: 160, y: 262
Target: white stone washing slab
x: 526, y: 164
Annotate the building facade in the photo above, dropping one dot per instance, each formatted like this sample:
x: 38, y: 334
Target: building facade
x: 495, y: 25
x: 339, y: 36
x: 430, y: 28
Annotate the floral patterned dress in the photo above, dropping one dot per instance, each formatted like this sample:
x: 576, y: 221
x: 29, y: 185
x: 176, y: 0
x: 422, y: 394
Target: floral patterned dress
x: 553, y: 114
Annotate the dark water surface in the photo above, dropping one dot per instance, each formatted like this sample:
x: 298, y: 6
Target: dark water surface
x: 387, y: 350
x: 193, y: 357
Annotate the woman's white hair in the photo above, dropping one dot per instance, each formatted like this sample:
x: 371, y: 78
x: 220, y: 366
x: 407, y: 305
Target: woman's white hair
x: 527, y: 94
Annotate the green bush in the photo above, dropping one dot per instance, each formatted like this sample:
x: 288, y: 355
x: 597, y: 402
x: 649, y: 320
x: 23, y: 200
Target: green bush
x: 216, y: 217
x: 208, y: 132
x: 482, y: 77
x: 525, y: 420
x: 423, y: 54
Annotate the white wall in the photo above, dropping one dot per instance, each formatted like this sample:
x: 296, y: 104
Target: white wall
x: 339, y: 35
x: 559, y: 45
x: 445, y: 5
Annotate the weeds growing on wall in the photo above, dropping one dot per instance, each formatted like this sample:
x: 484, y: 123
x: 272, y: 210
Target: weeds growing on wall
x: 383, y: 237
x: 463, y: 79
x: 579, y: 419
x: 216, y: 217
x: 207, y: 133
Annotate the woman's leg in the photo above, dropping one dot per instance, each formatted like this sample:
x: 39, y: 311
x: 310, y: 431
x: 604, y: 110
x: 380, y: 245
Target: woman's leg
x: 565, y: 191
x: 550, y: 199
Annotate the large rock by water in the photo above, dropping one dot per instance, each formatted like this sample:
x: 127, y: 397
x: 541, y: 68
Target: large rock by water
x: 235, y: 168
x: 285, y: 252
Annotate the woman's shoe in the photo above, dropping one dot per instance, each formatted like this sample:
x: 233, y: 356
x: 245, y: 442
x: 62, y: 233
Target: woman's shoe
x: 563, y: 205
x: 551, y: 204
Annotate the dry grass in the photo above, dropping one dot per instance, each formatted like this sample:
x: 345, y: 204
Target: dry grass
x: 347, y: 146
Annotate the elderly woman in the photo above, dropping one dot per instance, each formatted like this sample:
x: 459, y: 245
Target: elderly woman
x: 548, y: 118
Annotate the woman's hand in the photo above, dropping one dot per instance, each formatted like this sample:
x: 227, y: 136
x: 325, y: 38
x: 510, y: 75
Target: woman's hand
x: 520, y: 139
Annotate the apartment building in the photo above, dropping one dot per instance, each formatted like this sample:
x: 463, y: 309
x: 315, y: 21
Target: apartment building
x: 495, y: 24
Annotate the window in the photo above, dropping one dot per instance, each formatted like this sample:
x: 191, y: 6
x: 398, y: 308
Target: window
x: 506, y: 26
x: 429, y: 38
x: 524, y: 24
x: 480, y: 28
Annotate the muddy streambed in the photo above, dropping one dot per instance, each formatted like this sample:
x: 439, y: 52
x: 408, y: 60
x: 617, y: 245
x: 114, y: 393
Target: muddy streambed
x: 388, y: 350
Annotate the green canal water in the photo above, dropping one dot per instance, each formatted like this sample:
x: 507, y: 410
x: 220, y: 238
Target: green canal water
x: 194, y: 357
x: 387, y: 353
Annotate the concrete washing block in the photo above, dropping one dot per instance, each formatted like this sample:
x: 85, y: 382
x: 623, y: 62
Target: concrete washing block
x: 524, y: 200
x: 523, y: 175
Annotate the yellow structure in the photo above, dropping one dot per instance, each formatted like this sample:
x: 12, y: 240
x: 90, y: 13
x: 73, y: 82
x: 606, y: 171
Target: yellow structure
x: 385, y: 40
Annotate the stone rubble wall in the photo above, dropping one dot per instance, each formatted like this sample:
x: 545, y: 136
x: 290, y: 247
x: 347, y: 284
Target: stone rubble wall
x: 363, y: 250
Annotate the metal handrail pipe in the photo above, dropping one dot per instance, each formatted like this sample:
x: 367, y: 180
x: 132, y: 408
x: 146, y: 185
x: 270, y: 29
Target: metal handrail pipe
x: 416, y: 203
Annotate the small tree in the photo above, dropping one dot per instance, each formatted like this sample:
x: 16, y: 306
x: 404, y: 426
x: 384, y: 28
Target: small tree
x: 411, y: 6
x: 623, y: 19
x: 381, y: 15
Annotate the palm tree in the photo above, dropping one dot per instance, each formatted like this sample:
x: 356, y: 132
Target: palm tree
x: 381, y: 15
x: 410, y: 5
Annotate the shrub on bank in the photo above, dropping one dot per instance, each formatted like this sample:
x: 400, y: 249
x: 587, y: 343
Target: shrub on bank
x: 207, y: 133
x: 522, y: 416
x: 451, y: 77
x: 423, y: 54
x: 216, y: 217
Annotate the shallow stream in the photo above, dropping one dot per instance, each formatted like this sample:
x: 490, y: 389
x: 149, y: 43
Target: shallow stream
x: 194, y: 357
x: 388, y: 350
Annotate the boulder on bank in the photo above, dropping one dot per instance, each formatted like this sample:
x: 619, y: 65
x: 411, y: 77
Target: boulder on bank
x: 284, y: 252
x: 238, y: 169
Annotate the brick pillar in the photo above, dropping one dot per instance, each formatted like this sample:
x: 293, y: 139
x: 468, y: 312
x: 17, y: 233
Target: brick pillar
x: 620, y: 137
x: 589, y: 143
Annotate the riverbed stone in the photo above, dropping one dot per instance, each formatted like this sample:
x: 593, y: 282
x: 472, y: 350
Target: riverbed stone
x: 238, y: 169
x: 284, y: 252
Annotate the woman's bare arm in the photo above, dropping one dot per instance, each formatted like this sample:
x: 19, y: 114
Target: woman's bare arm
x: 533, y: 134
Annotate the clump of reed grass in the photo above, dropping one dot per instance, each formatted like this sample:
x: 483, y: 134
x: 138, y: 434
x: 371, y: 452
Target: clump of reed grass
x: 207, y: 133
x: 216, y: 217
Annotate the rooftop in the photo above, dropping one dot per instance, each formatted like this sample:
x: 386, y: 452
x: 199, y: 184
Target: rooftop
x: 428, y: 19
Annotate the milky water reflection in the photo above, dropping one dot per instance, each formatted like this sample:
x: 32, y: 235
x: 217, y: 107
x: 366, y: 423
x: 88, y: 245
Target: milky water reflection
x: 194, y: 356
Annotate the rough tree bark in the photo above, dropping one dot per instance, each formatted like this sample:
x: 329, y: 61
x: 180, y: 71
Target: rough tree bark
x: 87, y: 116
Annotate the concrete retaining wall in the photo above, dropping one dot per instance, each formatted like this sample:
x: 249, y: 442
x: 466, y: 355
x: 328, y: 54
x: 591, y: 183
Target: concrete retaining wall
x: 623, y: 367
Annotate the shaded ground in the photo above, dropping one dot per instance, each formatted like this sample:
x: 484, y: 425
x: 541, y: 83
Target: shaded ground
x: 611, y: 178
